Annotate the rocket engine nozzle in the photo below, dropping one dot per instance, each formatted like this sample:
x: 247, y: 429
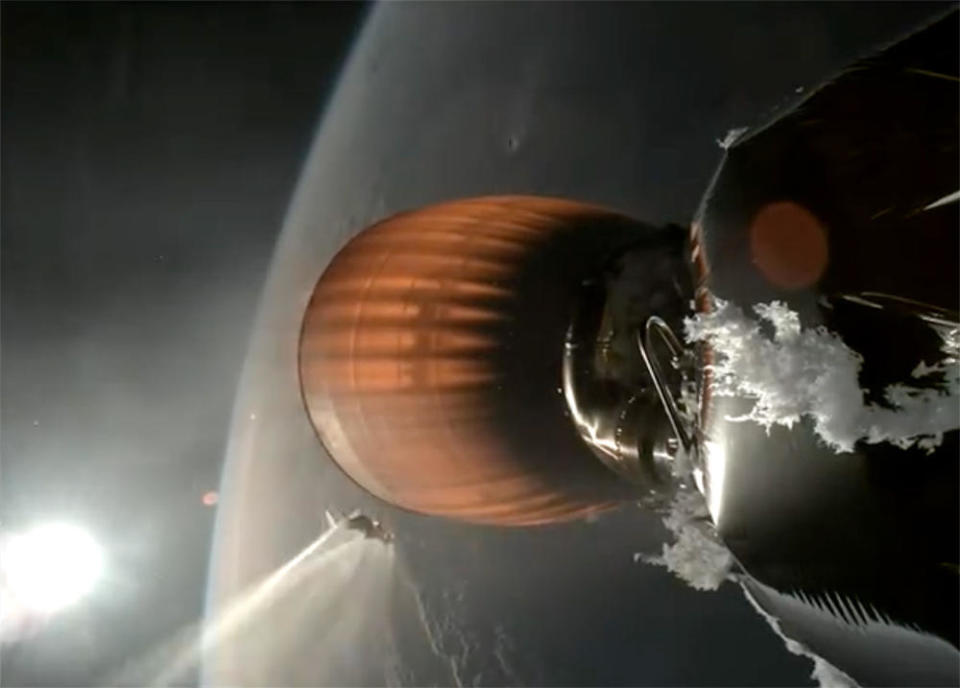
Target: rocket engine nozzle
x: 453, y: 359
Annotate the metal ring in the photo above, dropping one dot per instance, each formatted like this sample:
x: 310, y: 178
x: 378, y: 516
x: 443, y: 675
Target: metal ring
x: 653, y: 325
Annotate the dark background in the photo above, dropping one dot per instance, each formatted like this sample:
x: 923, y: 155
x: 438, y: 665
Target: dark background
x: 149, y: 156
x: 149, y: 153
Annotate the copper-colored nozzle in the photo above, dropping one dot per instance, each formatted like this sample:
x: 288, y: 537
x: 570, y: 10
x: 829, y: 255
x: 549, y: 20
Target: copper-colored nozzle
x: 430, y: 358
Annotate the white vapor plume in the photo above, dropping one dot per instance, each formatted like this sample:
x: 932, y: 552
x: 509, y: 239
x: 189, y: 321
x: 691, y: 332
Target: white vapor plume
x: 811, y: 373
x: 698, y: 557
x: 946, y: 200
x: 247, y: 607
x: 327, y: 600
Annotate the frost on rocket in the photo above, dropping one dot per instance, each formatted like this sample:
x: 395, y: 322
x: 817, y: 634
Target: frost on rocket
x: 697, y: 556
x: 811, y: 373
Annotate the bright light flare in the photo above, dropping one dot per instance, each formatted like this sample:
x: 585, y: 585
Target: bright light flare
x: 50, y: 567
x: 716, y: 460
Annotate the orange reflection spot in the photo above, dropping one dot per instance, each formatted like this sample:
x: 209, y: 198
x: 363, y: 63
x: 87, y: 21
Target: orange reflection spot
x: 788, y: 245
x: 210, y: 498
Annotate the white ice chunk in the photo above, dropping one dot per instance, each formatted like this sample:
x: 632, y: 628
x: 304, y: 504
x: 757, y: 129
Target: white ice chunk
x: 698, y: 557
x: 812, y: 373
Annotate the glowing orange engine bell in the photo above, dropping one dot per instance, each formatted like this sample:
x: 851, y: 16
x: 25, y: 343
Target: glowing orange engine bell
x: 432, y: 355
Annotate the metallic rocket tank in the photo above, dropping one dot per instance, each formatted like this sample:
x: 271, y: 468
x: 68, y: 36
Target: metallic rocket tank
x: 838, y: 210
x: 500, y: 360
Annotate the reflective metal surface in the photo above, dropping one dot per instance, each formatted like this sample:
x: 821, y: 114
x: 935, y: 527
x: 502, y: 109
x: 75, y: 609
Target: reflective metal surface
x: 836, y: 199
x: 612, y: 398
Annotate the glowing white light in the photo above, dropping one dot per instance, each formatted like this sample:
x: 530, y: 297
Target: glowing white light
x: 946, y: 200
x: 51, y: 567
x: 716, y: 460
